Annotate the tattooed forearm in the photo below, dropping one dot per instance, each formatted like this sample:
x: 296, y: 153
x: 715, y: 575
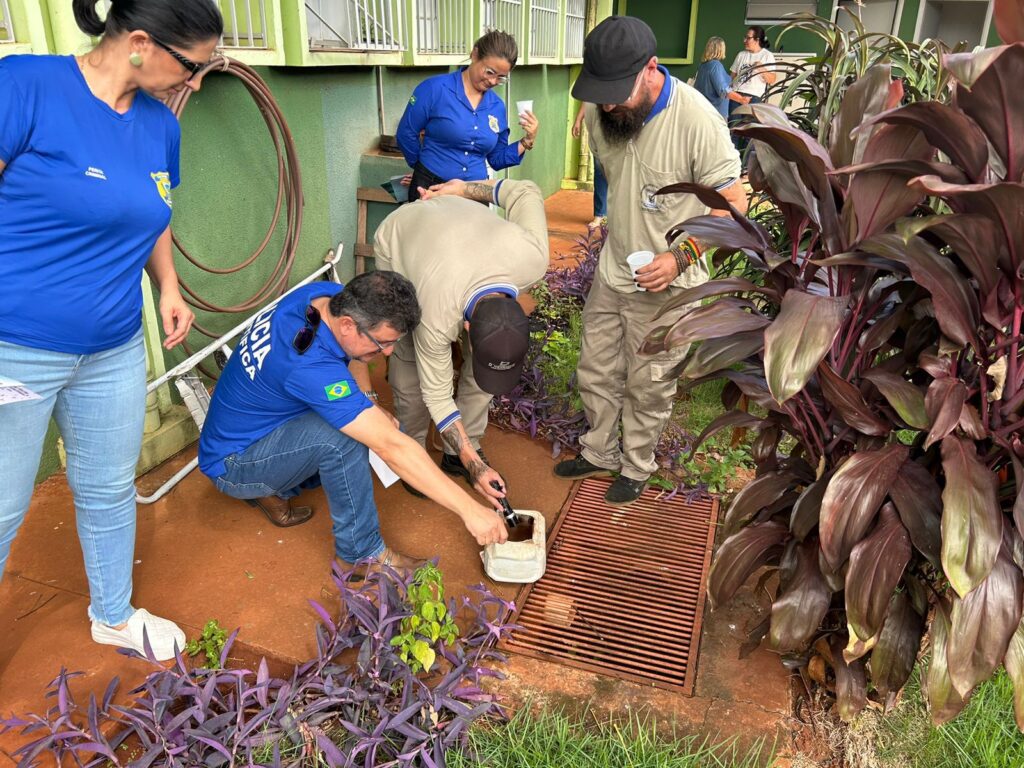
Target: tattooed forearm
x: 454, y: 440
x: 479, y: 191
x: 476, y: 469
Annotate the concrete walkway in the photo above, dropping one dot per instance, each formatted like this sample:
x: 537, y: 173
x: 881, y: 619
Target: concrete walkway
x: 200, y: 555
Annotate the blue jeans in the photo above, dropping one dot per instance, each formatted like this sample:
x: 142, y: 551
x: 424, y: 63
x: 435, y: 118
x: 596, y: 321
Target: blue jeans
x: 99, y: 403
x: 740, y: 142
x: 289, y: 458
x: 600, y: 191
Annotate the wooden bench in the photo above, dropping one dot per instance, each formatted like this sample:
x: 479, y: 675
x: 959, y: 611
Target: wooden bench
x: 365, y: 196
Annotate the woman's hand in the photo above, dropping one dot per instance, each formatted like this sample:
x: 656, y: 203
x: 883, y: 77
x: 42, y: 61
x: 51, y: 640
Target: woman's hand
x: 530, y: 125
x: 577, y: 126
x: 177, y: 317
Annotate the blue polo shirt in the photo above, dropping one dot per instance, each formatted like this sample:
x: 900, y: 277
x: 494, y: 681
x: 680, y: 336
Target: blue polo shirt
x: 84, y: 196
x: 267, y: 382
x: 457, y: 138
x: 662, y: 101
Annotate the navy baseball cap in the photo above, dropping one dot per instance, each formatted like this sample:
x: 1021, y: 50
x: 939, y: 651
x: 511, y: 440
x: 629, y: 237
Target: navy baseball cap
x: 499, y: 335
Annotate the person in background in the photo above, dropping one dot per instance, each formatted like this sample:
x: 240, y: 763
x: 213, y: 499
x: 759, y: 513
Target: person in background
x: 713, y: 80
x: 752, y: 74
x: 600, y: 182
x: 648, y: 130
x: 294, y: 409
x: 88, y: 159
x: 463, y: 122
x: 468, y: 267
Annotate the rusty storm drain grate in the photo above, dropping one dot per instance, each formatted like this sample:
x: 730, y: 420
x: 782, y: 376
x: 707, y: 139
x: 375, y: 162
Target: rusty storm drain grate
x: 623, y: 594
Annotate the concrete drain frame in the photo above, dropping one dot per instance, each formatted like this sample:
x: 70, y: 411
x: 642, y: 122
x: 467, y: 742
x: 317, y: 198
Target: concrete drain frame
x: 623, y: 593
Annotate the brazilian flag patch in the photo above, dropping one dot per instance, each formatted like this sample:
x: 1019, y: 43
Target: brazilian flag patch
x: 338, y: 390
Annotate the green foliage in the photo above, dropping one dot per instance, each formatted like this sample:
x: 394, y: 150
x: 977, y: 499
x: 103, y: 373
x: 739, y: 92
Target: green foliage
x: 430, y: 620
x: 553, y: 740
x: 983, y: 736
x: 879, y: 325
x: 560, y: 357
x: 210, y: 643
x: 715, y: 470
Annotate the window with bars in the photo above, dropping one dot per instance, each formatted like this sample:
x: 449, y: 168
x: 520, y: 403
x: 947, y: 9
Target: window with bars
x: 506, y: 15
x: 575, y: 28
x: 544, y: 28
x: 443, y: 27
x: 245, y: 23
x: 762, y: 11
x: 355, y: 25
x: 6, y: 24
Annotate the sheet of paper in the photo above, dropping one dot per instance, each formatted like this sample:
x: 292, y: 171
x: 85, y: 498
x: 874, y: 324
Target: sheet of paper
x: 384, y: 472
x: 12, y: 391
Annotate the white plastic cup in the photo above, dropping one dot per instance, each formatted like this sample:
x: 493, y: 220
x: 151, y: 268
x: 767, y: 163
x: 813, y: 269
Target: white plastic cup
x: 400, y: 192
x: 639, y: 259
x: 524, y: 106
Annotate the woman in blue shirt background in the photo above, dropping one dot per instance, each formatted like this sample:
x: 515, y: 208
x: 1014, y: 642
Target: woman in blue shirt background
x: 88, y: 158
x: 464, y: 123
x: 713, y: 79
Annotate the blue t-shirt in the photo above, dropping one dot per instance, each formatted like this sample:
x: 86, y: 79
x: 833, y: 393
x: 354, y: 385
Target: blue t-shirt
x: 714, y: 82
x: 457, y: 138
x: 83, y: 199
x: 266, y: 382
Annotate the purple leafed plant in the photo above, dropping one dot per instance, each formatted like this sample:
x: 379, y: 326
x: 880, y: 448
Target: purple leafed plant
x: 355, y: 704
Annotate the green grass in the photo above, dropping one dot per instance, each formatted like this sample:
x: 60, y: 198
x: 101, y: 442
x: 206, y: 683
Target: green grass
x: 553, y: 740
x: 983, y: 736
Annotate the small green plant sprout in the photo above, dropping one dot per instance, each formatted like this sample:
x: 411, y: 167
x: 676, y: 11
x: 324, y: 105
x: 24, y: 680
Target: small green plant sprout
x: 210, y: 643
x: 429, y: 620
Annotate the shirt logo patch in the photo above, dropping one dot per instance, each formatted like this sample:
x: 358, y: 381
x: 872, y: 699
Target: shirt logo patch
x: 493, y: 122
x: 338, y: 390
x: 649, y: 201
x: 163, y: 185
x: 96, y: 173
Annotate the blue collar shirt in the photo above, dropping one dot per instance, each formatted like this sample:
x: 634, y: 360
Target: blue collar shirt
x: 457, y: 139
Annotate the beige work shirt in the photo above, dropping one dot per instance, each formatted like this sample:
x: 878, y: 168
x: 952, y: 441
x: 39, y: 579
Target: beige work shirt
x: 686, y: 141
x: 453, y: 250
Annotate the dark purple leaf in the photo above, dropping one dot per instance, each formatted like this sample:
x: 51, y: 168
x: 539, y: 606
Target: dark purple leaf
x: 972, y: 523
x: 759, y: 493
x: 895, y: 653
x: 807, y: 509
x: 904, y: 397
x: 720, y: 318
x: 876, y: 566
x: 740, y: 555
x: 865, y: 98
x: 1009, y: 19
x: 949, y: 130
x: 849, y: 402
x: 972, y: 237
x: 799, y: 338
x: 853, y: 497
x: 851, y: 682
x: 715, y: 354
x: 944, y: 403
x: 991, y: 102
x: 712, y: 288
x: 727, y: 419
x: 919, y: 502
x: 803, y: 598
x: 944, y: 703
x: 982, y: 623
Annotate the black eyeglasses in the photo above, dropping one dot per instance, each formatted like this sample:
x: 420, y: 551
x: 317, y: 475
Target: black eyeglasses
x: 192, y: 66
x: 381, y: 345
x: 304, y: 338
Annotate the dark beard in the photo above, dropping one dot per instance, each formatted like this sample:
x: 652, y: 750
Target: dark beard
x: 623, y: 125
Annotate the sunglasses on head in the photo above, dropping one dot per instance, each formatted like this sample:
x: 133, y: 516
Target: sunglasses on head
x: 192, y: 66
x: 304, y: 338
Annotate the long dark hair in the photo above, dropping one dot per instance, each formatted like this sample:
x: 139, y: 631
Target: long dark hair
x: 760, y: 36
x: 175, y: 22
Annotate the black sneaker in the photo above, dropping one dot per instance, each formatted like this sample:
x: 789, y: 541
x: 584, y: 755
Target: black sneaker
x: 624, y: 491
x: 577, y: 468
x: 452, y: 465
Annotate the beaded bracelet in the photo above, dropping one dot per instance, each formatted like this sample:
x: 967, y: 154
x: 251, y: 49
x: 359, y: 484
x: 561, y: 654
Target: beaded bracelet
x: 686, y: 252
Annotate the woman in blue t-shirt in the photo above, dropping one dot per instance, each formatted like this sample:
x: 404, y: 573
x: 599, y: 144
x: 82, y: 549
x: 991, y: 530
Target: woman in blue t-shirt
x: 464, y: 123
x: 713, y: 79
x: 88, y: 158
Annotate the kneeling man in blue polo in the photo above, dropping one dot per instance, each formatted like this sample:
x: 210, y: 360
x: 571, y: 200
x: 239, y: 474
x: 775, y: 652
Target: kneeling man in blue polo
x: 291, y: 411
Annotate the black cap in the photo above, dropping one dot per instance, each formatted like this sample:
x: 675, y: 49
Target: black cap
x: 499, y: 334
x: 613, y: 54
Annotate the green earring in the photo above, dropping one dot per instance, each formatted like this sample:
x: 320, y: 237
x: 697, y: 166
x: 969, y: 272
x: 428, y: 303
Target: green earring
x: 135, y: 59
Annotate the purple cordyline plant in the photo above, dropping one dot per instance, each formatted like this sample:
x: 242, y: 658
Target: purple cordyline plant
x: 355, y: 704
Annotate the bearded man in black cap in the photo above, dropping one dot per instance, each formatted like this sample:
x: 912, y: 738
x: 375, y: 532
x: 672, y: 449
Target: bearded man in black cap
x: 468, y: 266
x: 647, y: 130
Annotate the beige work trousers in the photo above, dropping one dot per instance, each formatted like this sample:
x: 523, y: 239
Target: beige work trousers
x: 618, y: 384
x: 410, y: 409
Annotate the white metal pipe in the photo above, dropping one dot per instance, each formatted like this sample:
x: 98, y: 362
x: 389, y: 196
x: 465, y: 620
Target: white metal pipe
x: 173, y: 481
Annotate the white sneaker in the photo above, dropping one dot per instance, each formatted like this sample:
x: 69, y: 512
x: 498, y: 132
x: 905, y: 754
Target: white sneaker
x: 163, y: 634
